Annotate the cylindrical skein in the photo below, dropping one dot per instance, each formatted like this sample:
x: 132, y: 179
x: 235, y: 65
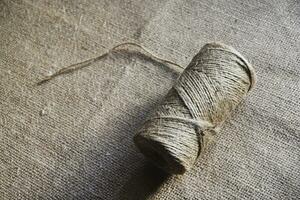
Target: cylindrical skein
x: 205, y: 94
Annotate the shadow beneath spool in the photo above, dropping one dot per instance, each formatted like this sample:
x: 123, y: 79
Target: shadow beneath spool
x: 145, y: 182
x: 106, y: 172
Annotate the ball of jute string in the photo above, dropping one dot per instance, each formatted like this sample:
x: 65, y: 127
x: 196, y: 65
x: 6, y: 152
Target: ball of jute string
x: 208, y: 90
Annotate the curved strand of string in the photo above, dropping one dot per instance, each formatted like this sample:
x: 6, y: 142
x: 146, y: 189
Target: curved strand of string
x: 147, y: 51
x: 200, y: 127
x: 83, y: 64
x: 198, y: 123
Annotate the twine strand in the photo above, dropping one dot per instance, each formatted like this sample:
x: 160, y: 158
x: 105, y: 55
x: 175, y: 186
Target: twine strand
x: 74, y: 67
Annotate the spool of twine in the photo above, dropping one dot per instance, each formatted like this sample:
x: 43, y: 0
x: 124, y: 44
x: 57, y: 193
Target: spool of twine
x: 208, y: 90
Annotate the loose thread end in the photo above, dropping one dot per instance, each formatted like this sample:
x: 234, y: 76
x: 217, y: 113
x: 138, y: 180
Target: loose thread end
x: 80, y: 65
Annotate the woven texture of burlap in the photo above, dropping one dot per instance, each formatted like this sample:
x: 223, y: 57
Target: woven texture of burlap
x: 71, y: 138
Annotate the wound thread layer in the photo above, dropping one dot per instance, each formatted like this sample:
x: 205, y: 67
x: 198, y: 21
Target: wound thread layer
x: 208, y: 90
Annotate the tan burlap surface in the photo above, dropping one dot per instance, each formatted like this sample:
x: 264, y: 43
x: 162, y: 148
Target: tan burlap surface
x: 71, y: 138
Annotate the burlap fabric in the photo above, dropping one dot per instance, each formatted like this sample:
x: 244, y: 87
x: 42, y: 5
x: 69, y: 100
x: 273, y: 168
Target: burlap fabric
x: 71, y: 138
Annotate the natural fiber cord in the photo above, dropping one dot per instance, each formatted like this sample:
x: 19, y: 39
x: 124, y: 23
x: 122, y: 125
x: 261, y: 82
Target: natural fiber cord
x: 208, y: 90
x: 120, y: 47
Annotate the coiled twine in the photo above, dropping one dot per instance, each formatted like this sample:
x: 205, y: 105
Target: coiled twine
x: 208, y: 90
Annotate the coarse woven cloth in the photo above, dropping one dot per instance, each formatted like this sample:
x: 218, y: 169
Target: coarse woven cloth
x: 71, y: 138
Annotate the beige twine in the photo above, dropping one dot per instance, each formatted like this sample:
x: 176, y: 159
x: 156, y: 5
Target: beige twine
x: 119, y: 48
x: 208, y: 90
